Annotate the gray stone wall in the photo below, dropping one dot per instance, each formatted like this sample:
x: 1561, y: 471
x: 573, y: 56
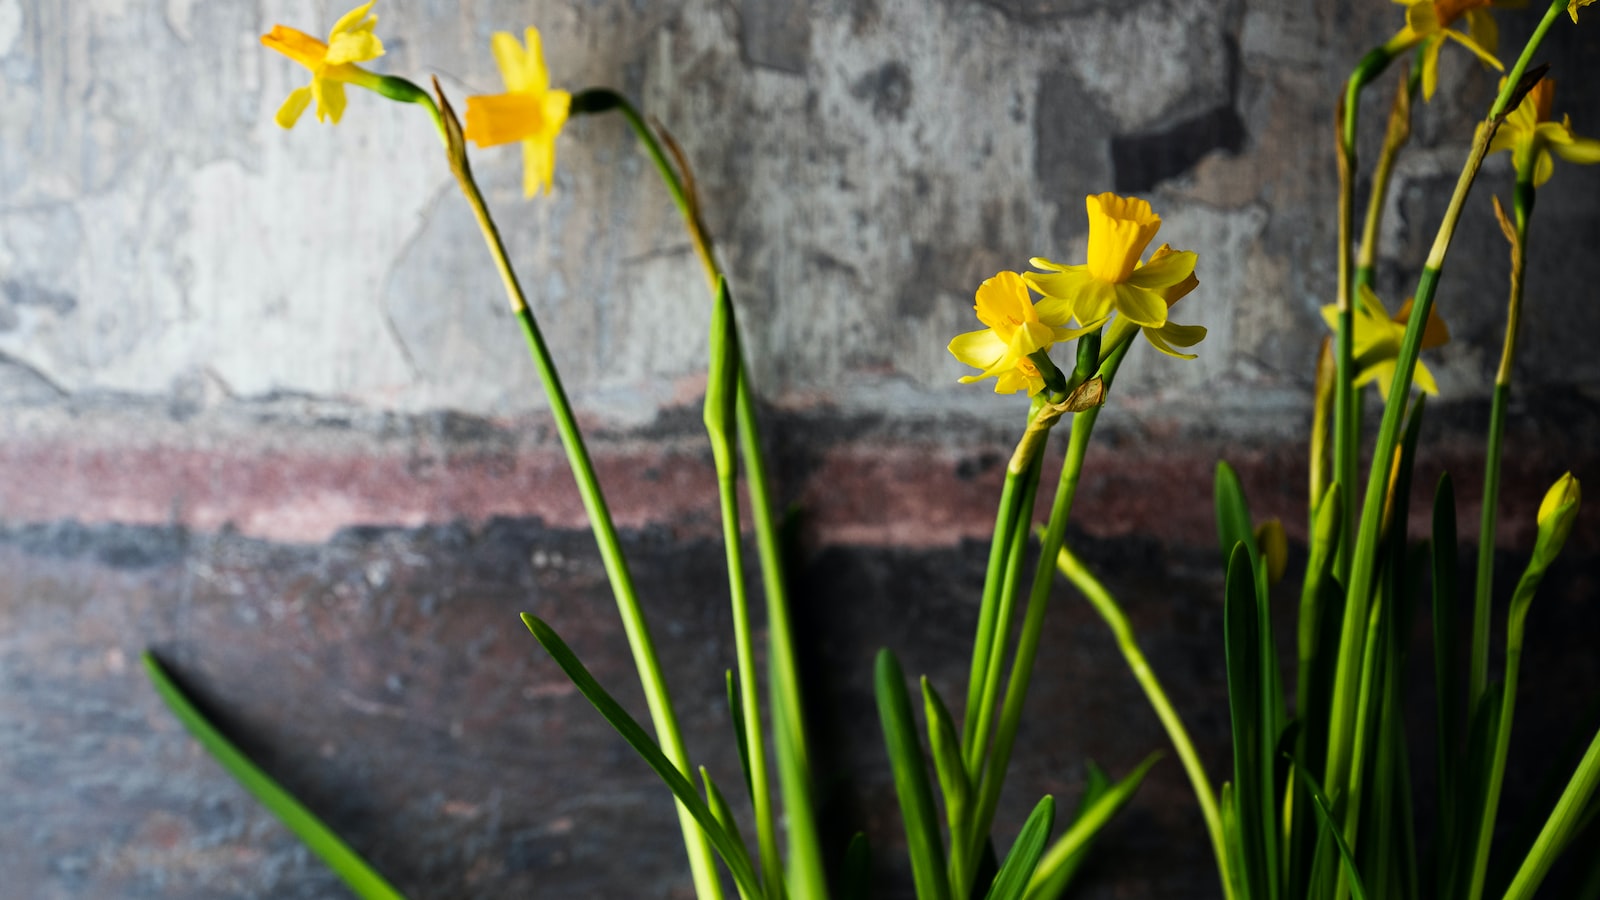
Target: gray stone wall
x: 259, y: 390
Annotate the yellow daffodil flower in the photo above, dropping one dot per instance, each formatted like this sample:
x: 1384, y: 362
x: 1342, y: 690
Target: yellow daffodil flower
x: 1530, y: 135
x: 1572, y: 8
x: 332, y: 65
x: 1428, y: 22
x: 1377, y: 337
x: 1113, y: 278
x: 1170, y: 335
x: 529, y: 111
x: 1015, y: 331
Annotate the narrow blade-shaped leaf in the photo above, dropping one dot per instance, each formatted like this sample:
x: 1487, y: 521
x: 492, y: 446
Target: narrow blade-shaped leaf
x: 722, y: 379
x: 1252, y: 772
x: 1012, y: 880
x: 1101, y: 800
x: 345, y: 862
x: 736, y: 716
x: 1325, y: 815
x: 721, y: 809
x: 953, y: 781
x: 910, y: 780
x: 733, y: 855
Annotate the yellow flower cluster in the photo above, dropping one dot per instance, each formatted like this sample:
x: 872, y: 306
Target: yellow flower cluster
x: 332, y: 65
x: 1530, y: 134
x: 1430, y: 23
x: 530, y: 111
x: 1113, y: 280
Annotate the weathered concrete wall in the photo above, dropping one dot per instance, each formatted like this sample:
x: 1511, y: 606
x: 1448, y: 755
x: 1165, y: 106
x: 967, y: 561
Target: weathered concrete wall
x: 227, y: 350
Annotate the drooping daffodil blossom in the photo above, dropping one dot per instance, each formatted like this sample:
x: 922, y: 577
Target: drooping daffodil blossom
x: 1113, y: 279
x: 332, y: 64
x: 529, y: 111
x: 1430, y: 23
x: 1376, y: 342
x: 1015, y: 331
x: 1531, y: 136
x: 1170, y: 335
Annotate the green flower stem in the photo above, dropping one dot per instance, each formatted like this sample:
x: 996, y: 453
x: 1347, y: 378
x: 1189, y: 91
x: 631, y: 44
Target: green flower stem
x: 1005, y: 608
x: 1516, y: 628
x: 1346, y: 405
x: 1106, y: 605
x: 760, y: 791
x: 994, y: 774
x: 399, y: 89
x: 1395, y: 137
x: 1359, y: 585
x: 999, y: 551
x: 662, y: 716
x: 363, y: 880
x: 995, y: 614
x: 794, y: 768
x: 1478, y: 671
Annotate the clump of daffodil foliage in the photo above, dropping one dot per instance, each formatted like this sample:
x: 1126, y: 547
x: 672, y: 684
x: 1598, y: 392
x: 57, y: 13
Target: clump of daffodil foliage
x: 1319, y: 802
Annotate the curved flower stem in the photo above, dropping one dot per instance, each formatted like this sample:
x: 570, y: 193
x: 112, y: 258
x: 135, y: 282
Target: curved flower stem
x: 1346, y: 405
x: 645, y: 659
x: 994, y: 774
x: 1353, y: 636
x: 1394, y: 138
x: 806, y: 879
x: 1478, y: 672
x: 1106, y: 605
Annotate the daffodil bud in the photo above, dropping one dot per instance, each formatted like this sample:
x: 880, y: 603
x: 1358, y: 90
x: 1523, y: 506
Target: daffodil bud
x: 1274, y: 547
x: 1556, y: 515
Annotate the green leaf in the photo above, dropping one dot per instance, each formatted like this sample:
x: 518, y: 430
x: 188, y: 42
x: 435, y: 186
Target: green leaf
x: 736, y: 710
x: 910, y: 779
x: 722, y: 379
x: 1233, y: 514
x: 345, y: 862
x: 721, y: 809
x: 857, y: 879
x: 732, y: 853
x: 1101, y: 800
x: 953, y: 781
x: 1252, y: 770
x: 1447, y: 683
x: 1017, y: 869
x: 1326, y: 817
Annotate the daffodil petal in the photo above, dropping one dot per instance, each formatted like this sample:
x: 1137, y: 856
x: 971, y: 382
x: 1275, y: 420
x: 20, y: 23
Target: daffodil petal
x: 1072, y: 334
x: 1483, y: 55
x: 1141, y: 307
x: 538, y: 76
x: 332, y: 99
x: 297, y: 45
x: 1430, y: 66
x: 978, y: 349
x: 538, y: 166
x: 513, y: 63
x: 1166, y: 271
x: 353, y: 47
x: 1039, y: 262
x: 1158, y: 339
x: 289, y: 112
x: 1032, y: 337
x: 355, y: 20
x: 1423, y: 379
x: 1182, y: 335
x: 1543, y: 167
x: 1580, y: 150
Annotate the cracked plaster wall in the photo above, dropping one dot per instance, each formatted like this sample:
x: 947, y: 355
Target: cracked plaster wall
x: 864, y: 165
